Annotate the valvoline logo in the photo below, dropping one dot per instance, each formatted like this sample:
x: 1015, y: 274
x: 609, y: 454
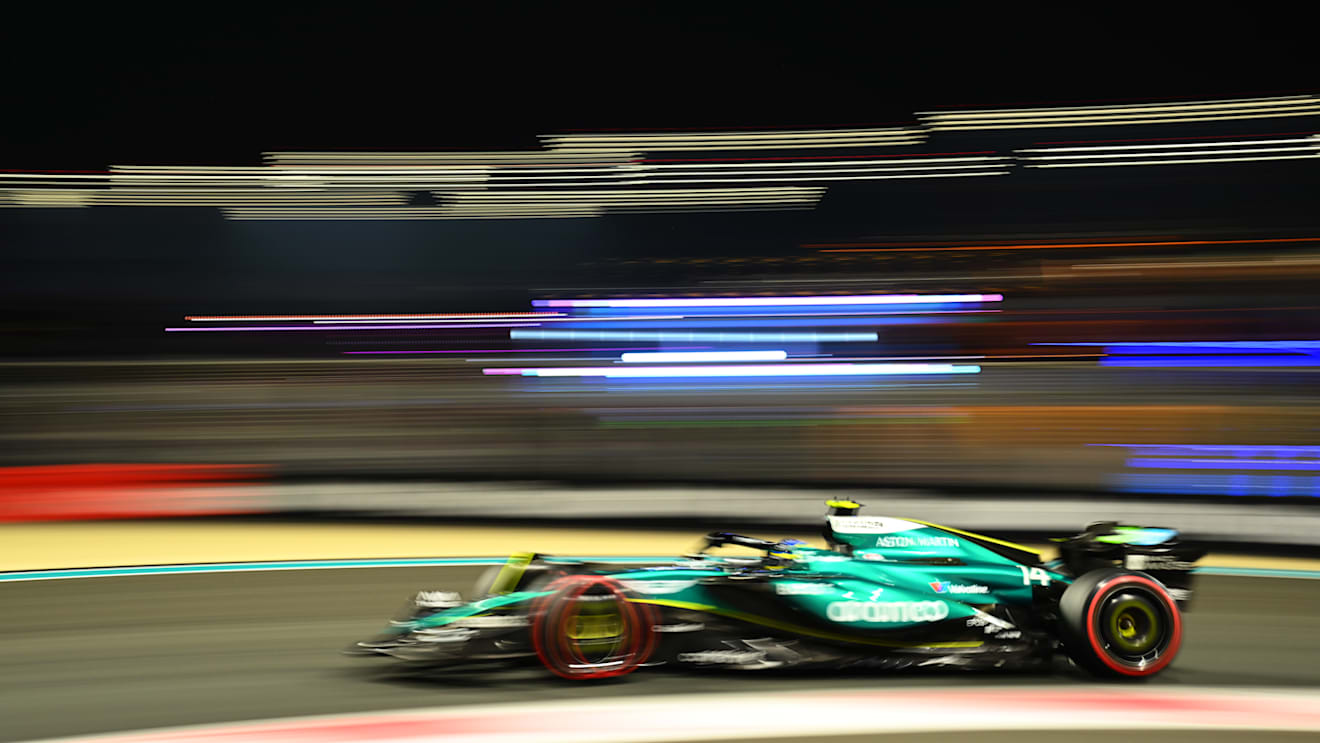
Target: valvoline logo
x: 941, y: 586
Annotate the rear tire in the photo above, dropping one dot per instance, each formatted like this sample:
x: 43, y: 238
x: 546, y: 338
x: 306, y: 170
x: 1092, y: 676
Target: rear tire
x: 1120, y: 624
x: 588, y: 629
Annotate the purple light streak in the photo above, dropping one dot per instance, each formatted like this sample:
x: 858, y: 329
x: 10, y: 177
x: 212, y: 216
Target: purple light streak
x: 740, y: 370
x: 771, y: 301
x: 1224, y: 464
x: 522, y: 319
x: 534, y: 350
x: 263, y: 328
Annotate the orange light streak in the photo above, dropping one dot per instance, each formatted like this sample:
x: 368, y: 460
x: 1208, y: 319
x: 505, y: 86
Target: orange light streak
x: 879, y: 247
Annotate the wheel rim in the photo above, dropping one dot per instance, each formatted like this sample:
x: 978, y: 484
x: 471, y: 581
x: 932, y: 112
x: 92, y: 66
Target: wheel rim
x: 1134, y: 626
x: 594, y: 631
x: 589, y: 629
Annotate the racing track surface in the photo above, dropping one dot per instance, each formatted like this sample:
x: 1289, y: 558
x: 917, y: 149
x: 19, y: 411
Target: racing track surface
x: 107, y: 654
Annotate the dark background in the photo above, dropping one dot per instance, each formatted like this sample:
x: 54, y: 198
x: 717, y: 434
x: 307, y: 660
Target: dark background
x: 212, y: 84
x: 205, y: 83
x: 90, y: 87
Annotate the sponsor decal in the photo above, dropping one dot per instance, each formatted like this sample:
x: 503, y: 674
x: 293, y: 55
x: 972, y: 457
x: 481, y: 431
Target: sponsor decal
x: 657, y: 587
x: 887, y: 611
x: 802, y: 589
x: 722, y: 656
x: 493, y: 622
x: 947, y: 587
x: 689, y: 627
x: 901, y: 541
x: 1034, y: 575
x: 870, y: 525
x: 438, y: 598
x: 987, y: 623
x: 444, y: 634
x: 1157, y: 562
x: 1011, y: 635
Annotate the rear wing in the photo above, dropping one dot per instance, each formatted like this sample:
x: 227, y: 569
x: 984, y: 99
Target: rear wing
x: 1156, y: 551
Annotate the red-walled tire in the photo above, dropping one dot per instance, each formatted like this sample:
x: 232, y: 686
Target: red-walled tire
x: 588, y: 629
x: 1120, y: 624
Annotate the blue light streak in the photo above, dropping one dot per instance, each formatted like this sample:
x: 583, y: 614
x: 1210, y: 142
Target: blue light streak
x: 1208, y: 362
x: 665, y: 357
x: 1239, y: 485
x: 1196, y: 344
x: 695, y: 336
x: 1241, y: 450
x: 1223, y: 464
x: 779, y: 322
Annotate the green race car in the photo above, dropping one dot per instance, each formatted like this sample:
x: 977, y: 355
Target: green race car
x: 886, y: 593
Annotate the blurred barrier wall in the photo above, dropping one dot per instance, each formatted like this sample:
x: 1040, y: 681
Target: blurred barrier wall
x: 698, y: 508
x: 1149, y: 438
x: 1038, y: 426
x: 1229, y: 522
x: 103, y: 491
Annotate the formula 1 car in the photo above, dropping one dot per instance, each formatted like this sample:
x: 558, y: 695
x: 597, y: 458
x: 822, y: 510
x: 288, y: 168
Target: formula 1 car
x: 886, y: 593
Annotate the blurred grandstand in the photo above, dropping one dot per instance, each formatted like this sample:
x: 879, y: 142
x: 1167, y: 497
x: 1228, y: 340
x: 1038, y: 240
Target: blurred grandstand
x: 1092, y: 299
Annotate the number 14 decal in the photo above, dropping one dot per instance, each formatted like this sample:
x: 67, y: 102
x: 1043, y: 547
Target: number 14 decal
x: 1034, y: 575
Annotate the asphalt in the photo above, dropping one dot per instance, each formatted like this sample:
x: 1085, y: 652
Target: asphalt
x: 109, y: 654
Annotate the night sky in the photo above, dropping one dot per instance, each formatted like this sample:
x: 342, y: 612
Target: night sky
x: 102, y: 84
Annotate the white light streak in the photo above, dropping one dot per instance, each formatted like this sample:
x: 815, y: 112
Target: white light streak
x: 646, y: 193
x: 1171, y: 162
x: 1313, y: 140
x: 424, y: 159
x: 1237, y: 151
x: 1170, y: 154
x: 767, y: 179
x: 650, y: 142
x: 754, y: 370
x: 665, y: 357
x: 1024, y: 118
x: 1129, y: 108
x: 1104, y: 122
x: 45, y: 198
x: 694, y: 336
x: 819, y: 163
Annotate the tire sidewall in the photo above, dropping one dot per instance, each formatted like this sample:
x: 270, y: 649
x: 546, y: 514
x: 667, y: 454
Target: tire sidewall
x: 548, y: 622
x: 1079, y: 612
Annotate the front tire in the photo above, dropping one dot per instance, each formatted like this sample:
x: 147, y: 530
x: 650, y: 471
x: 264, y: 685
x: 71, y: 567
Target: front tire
x: 588, y: 629
x: 1120, y: 624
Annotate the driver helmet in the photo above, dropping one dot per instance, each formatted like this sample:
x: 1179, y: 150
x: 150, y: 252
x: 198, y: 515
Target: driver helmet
x: 783, y: 554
